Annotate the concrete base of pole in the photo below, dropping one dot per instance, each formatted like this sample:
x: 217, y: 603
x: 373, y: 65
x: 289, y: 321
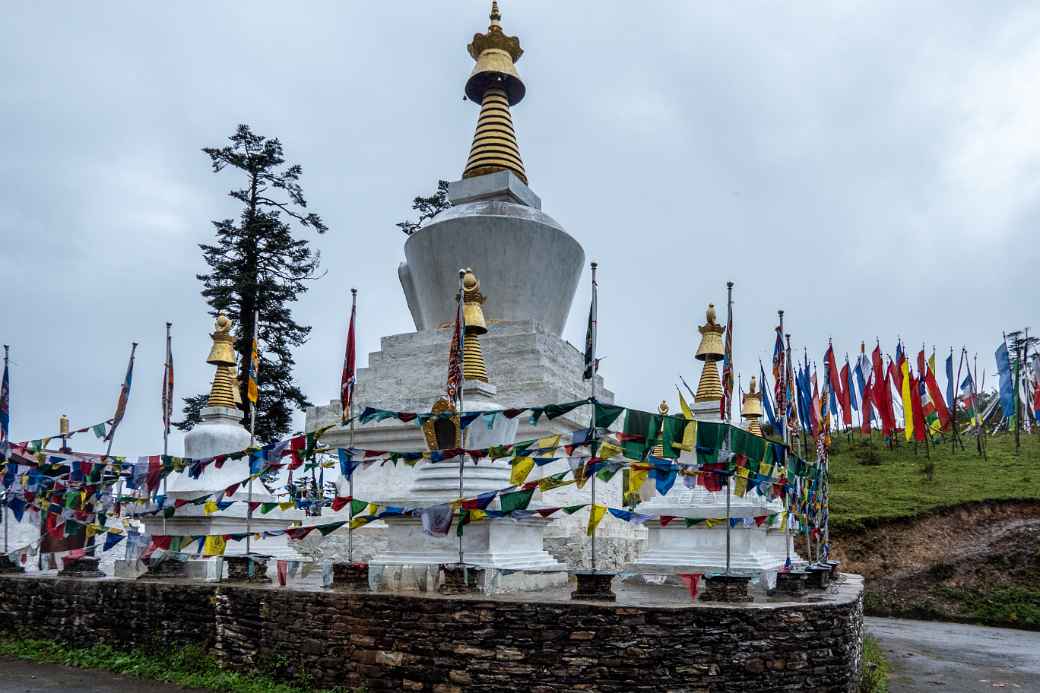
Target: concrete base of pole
x: 84, y: 567
x: 350, y: 576
x: 246, y: 569
x: 792, y: 582
x: 835, y: 568
x: 726, y: 588
x: 594, y: 586
x: 819, y: 576
x: 461, y: 579
x: 7, y: 566
x: 169, y: 568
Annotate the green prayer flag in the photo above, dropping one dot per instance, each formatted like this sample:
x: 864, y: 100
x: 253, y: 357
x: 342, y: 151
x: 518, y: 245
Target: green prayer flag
x: 517, y: 500
x: 357, y: 506
x: 672, y: 435
x: 328, y: 529
x: 640, y: 431
x: 267, y: 507
x: 606, y: 414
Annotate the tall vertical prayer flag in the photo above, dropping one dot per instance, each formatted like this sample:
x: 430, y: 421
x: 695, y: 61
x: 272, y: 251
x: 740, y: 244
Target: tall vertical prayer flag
x: 849, y: 388
x: 5, y: 402
x: 455, y: 353
x: 936, y: 397
x: 779, y: 381
x: 727, y: 360
x: 908, y: 406
x: 1007, y: 388
x: 124, y: 394
x: 882, y: 395
x: 950, y: 402
x: 767, y: 405
x: 834, y: 381
x: 349, y: 376
x: 253, y: 372
x: 167, y: 383
x: 590, y: 332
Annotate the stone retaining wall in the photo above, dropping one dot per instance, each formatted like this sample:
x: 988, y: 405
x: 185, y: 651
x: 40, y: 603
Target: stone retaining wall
x: 383, y: 642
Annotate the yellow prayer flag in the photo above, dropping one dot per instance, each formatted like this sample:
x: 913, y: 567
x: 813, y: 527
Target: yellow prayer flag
x: 477, y: 515
x: 710, y: 522
x: 214, y: 546
x: 210, y: 507
x: 522, y: 467
x: 360, y: 521
x: 90, y: 531
x: 547, y: 443
x: 686, y: 411
x: 596, y: 513
x: 372, y: 508
x: 740, y: 487
x: 286, y: 505
x: 908, y: 405
x: 608, y: 450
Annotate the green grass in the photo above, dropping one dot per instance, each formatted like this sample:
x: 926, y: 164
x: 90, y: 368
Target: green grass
x: 189, y: 667
x: 1017, y: 607
x: 874, y: 676
x: 894, y: 484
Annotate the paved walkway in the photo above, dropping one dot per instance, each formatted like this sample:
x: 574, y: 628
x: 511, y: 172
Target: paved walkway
x: 957, y: 658
x: 19, y: 676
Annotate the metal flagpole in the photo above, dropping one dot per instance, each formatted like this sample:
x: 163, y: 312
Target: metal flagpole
x: 350, y: 443
x: 460, y: 319
x: 3, y: 439
x: 252, y: 434
x: 785, y: 437
x: 592, y: 446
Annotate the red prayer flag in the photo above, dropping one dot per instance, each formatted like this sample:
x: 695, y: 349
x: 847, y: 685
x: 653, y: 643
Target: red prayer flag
x: 349, y: 376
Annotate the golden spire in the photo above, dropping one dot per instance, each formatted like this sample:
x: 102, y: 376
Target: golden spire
x: 473, y: 367
x: 658, y: 450
x: 751, y: 407
x: 709, y: 389
x: 495, y: 85
x: 224, y: 391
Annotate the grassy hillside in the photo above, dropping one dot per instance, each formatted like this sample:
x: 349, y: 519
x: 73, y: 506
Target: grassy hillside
x: 869, y: 482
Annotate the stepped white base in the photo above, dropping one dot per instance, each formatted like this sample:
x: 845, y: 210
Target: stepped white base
x: 412, y: 562
x: 677, y: 548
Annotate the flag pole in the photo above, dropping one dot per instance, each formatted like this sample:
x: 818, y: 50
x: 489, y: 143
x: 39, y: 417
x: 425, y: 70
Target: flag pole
x: 784, y: 436
x: 460, y: 318
x: 350, y: 443
x: 727, y: 385
x: 252, y: 437
x: 3, y: 439
x: 592, y: 447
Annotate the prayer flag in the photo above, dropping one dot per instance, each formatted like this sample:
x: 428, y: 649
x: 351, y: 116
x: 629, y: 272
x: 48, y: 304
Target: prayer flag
x: 908, y: 406
x: 591, y: 365
x: 5, y: 402
x: 596, y: 513
x: 253, y: 372
x: 349, y: 376
x: 1007, y: 388
x: 766, y: 404
x: 124, y: 395
x: 455, y: 353
x: 950, y: 401
x: 727, y: 366
x: 522, y: 467
x: 167, y: 384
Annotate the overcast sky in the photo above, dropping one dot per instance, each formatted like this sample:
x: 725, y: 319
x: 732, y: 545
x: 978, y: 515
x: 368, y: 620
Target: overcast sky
x: 870, y: 167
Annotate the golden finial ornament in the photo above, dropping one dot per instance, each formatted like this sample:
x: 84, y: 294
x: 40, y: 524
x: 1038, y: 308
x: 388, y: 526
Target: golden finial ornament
x: 751, y: 407
x: 63, y: 425
x: 709, y: 389
x: 224, y: 390
x: 473, y: 366
x: 495, y: 85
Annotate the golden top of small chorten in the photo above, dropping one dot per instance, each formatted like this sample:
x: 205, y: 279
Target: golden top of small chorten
x: 710, y: 348
x: 473, y: 366
x: 224, y: 390
x: 752, y: 405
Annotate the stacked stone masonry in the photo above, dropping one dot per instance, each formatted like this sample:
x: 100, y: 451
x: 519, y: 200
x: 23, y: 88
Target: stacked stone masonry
x: 382, y: 642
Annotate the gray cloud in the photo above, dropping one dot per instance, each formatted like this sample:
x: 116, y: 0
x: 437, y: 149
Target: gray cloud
x: 868, y: 167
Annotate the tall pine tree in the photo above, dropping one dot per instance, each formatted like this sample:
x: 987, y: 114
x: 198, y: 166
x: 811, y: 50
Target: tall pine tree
x: 257, y: 265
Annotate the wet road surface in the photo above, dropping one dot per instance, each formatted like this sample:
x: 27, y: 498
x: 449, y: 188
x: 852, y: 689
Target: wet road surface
x: 18, y: 676
x: 957, y: 658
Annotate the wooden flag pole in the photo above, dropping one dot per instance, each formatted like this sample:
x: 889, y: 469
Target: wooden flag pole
x: 252, y: 436
x: 350, y: 444
x: 592, y: 446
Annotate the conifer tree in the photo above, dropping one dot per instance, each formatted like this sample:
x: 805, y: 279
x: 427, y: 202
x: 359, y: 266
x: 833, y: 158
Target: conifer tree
x: 257, y: 265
